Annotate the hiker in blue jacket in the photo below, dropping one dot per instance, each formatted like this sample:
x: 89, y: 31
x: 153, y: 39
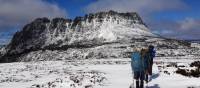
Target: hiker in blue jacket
x: 139, y: 65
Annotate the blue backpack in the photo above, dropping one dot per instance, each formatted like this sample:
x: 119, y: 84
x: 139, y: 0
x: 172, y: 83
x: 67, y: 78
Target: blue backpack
x: 136, y: 62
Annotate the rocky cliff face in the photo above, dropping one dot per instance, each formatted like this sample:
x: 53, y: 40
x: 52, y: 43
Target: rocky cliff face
x: 98, y: 35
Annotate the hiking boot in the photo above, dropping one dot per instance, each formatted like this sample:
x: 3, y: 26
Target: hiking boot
x: 146, y: 79
x: 137, y: 84
x: 141, y: 84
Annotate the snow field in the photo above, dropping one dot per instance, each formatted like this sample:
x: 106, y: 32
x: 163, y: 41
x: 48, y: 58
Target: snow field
x: 103, y: 73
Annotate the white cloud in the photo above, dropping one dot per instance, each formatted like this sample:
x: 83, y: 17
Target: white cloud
x: 19, y: 12
x: 187, y: 28
x: 4, y: 41
x: 144, y: 7
x: 189, y: 24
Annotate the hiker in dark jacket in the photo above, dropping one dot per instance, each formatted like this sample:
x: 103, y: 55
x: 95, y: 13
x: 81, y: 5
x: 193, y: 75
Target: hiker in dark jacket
x: 147, y: 66
x: 139, y: 66
x: 150, y: 54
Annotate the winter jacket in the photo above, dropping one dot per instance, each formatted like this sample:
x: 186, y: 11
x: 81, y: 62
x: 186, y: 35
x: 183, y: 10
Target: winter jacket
x: 147, y: 61
x: 137, y: 64
x: 152, y: 52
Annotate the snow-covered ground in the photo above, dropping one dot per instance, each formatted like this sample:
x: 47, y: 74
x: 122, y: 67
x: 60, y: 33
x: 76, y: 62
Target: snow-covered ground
x: 102, y: 73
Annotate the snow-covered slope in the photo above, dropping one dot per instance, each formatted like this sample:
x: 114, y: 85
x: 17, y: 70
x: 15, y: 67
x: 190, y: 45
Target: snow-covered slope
x: 94, y: 36
x: 91, y: 29
x: 88, y: 31
x: 92, y: 74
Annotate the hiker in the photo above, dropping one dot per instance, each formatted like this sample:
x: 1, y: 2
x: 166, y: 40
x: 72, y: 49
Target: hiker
x: 138, y: 67
x: 149, y: 55
x: 145, y: 55
x: 152, y: 54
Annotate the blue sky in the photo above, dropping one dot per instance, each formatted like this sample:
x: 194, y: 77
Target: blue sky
x: 170, y: 18
x: 73, y: 7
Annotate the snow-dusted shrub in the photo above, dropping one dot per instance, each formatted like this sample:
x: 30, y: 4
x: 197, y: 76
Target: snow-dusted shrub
x: 191, y: 73
x: 183, y: 72
x: 195, y: 64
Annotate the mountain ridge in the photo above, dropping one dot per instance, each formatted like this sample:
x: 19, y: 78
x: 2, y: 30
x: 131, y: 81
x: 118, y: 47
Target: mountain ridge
x: 59, y: 28
x: 98, y: 35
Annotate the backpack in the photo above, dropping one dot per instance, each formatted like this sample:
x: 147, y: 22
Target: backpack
x: 137, y: 62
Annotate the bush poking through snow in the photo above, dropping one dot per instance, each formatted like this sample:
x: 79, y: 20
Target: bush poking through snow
x: 195, y: 73
x: 195, y: 64
x: 182, y: 72
x: 191, y: 73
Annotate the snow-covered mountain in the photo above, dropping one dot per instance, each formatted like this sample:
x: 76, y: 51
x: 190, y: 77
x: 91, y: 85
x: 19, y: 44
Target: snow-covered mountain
x: 93, y: 28
x: 97, y: 35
